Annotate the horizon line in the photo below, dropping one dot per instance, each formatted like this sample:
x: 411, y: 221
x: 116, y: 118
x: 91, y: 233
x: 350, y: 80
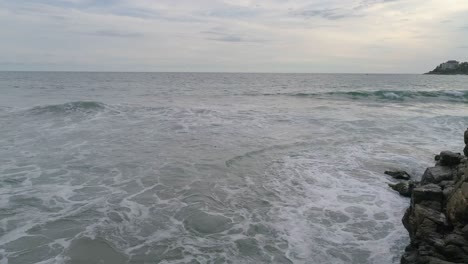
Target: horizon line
x: 234, y: 72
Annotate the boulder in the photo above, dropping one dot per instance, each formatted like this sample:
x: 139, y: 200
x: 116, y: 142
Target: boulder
x: 456, y: 239
x: 428, y: 192
x: 404, y: 188
x: 437, y: 174
x: 409, y: 257
x: 457, y: 206
x: 466, y: 137
x: 464, y: 232
x: 399, y: 174
x: 448, y: 158
x: 422, y: 212
x: 455, y: 253
x: 433, y: 260
x: 427, y: 233
x: 465, y: 151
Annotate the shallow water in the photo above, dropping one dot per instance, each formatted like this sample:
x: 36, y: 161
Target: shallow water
x: 215, y: 168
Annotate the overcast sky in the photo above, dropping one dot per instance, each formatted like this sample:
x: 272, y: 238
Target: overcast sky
x: 381, y: 36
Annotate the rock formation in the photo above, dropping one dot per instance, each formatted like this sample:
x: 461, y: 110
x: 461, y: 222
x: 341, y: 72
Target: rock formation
x: 465, y: 151
x: 437, y: 218
x: 451, y: 67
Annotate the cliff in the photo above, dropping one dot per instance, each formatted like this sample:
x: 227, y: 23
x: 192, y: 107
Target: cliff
x: 437, y: 218
x: 451, y: 67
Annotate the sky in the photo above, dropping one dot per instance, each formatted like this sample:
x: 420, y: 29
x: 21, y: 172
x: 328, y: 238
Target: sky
x: 317, y: 36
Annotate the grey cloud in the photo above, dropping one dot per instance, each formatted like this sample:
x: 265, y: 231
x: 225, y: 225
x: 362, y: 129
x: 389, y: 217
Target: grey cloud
x: 229, y: 38
x: 341, y: 13
x: 369, y: 3
x: 330, y: 14
x: 117, y: 34
x: 233, y: 12
x: 224, y: 36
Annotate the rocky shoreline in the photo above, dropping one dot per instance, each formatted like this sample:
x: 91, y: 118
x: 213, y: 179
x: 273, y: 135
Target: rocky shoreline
x: 437, y: 218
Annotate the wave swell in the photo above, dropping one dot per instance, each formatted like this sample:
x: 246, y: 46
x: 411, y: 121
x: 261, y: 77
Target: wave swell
x: 388, y: 95
x: 71, y: 107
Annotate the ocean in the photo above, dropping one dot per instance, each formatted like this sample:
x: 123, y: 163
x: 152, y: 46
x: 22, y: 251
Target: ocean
x: 215, y: 167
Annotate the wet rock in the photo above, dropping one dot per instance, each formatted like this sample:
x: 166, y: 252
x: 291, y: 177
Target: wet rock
x: 433, y: 260
x: 404, y: 188
x: 456, y: 239
x: 457, y: 206
x: 464, y: 232
x: 427, y: 233
x: 466, y: 137
x: 448, y: 192
x: 422, y: 212
x: 446, y: 184
x: 465, y: 151
x: 410, y: 257
x: 448, y: 158
x: 437, y: 174
x: 398, y: 174
x: 429, y: 192
x: 455, y: 254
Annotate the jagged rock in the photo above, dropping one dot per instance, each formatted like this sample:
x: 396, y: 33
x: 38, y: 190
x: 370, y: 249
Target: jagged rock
x: 456, y: 239
x: 466, y: 137
x: 428, y: 192
x: 464, y: 231
x: 406, y: 221
x: 433, y: 260
x: 409, y: 257
x: 448, y: 158
x: 455, y: 253
x: 399, y: 174
x: 437, y: 174
x: 448, y: 192
x: 404, y: 188
x: 445, y: 184
x: 422, y: 212
x: 457, y: 206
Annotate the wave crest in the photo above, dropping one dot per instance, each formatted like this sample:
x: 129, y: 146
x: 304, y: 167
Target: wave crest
x: 388, y: 95
x: 71, y: 107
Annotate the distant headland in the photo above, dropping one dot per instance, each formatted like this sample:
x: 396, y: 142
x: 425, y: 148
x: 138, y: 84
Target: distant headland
x: 451, y: 67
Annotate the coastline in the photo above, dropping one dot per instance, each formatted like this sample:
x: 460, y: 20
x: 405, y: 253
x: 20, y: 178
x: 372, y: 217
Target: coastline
x: 437, y: 218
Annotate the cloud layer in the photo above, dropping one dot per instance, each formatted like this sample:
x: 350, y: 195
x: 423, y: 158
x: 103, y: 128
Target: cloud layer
x: 225, y: 35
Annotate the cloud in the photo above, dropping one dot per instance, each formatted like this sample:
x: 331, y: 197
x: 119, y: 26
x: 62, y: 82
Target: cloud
x: 330, y: 14
x: 223, y: 35
x: 232, y: 35
x: 232, y: 12
x: 116, y: 34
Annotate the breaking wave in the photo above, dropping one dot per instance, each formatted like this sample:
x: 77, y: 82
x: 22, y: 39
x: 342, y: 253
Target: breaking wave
x: 388, y: 95
x: 71, y: 107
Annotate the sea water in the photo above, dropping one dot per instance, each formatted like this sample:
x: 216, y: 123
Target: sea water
x: 215, y: 168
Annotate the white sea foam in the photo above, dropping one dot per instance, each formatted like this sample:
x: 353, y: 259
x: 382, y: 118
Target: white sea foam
x: 455, y: 93
x: 391, y: 95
